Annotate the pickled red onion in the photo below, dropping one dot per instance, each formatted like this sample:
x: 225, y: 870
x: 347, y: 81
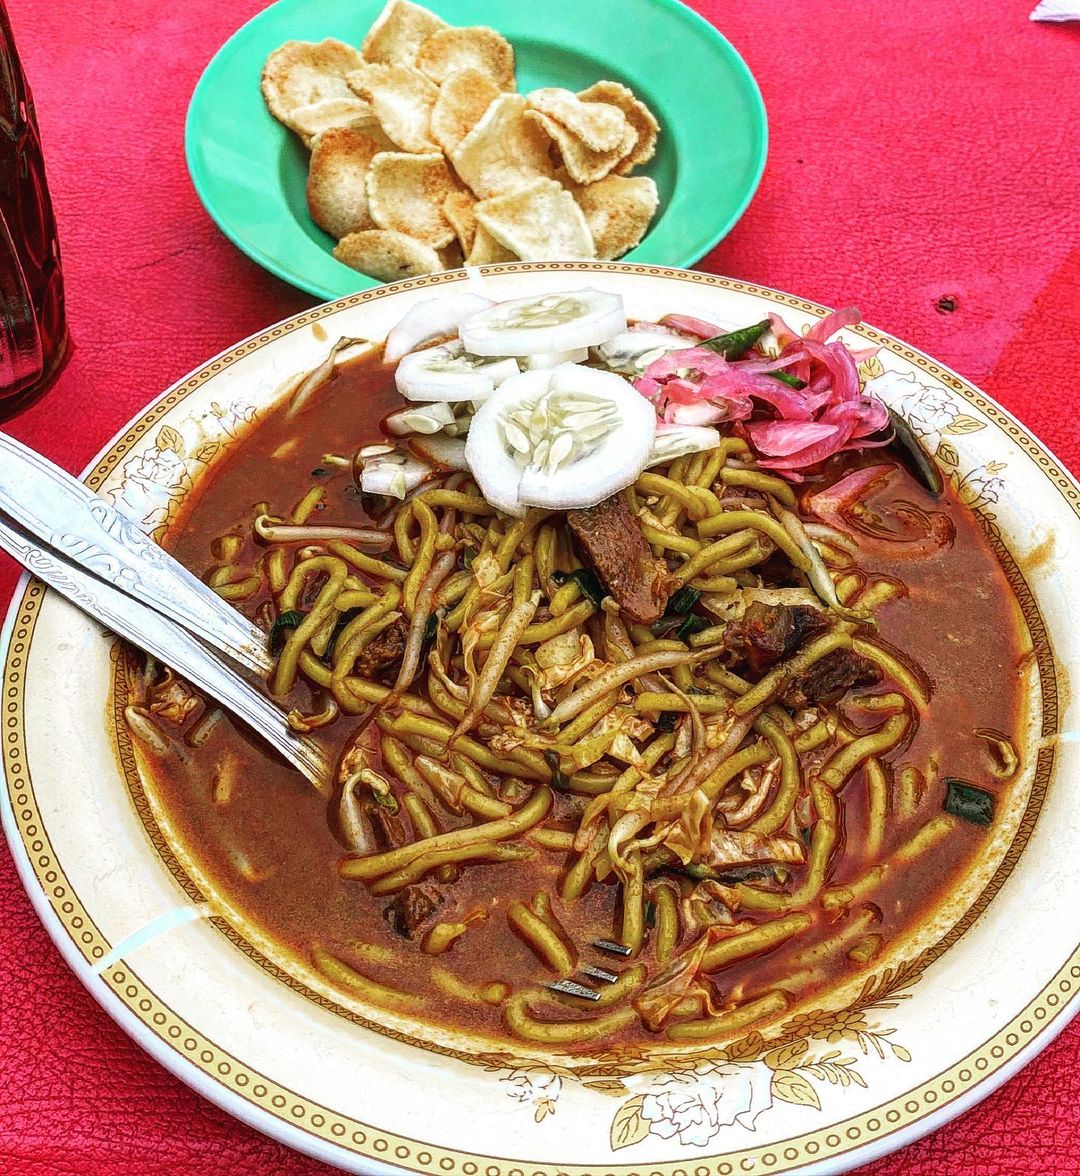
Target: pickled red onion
x: 791, y: 428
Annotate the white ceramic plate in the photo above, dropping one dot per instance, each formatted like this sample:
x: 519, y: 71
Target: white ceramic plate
x: 124, y: 903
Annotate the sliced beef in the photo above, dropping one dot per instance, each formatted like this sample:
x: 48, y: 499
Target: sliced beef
x: 380, y: 659
x: 768, y: 633
x: 612, y: 544
x: 831, y: 678
x: 410, y: 908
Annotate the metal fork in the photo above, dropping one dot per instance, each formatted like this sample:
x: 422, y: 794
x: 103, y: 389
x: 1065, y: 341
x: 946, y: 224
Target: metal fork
x: 571, y: 987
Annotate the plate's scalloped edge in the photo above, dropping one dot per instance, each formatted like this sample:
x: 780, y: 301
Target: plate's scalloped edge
x: 256, y: 1099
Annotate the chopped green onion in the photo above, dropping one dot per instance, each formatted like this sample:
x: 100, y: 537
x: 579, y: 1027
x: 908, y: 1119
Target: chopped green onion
x: 590, y: 586
x: 787, y: 378
x: 752, y: 872
x: 692, y: 624
x: 288, y: 620
x: 348, y: 615
x: 430, y: 625
x: 667, y: 720
x: 676, y: 615
x: 911, y: 451
x: 386, y: 800
x: 736, y: 343
x: 683, y: 601
x: 650, y: 913
x: 560, y: 782
x: 468, y: 554
x: 319, y: 472
x: 969, y: 803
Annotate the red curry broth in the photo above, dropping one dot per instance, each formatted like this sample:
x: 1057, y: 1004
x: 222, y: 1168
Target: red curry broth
x: 270, y: 849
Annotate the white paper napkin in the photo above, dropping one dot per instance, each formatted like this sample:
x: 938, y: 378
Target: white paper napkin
x: 1057, y: 10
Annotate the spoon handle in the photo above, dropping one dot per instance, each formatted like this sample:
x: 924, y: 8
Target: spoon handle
x: 172, y: 645
x: 82, y: 528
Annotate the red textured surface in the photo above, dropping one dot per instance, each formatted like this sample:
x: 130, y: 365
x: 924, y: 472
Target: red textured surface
x: 919, y: 149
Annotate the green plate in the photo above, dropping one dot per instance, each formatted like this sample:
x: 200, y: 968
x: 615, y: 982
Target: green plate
x: 250, y: 172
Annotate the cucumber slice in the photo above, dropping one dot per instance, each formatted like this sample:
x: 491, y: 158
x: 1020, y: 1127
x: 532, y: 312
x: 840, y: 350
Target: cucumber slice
x: 545, y: 323
x: 434, y: 318
x: 560, y: 438
x: 449, y: 373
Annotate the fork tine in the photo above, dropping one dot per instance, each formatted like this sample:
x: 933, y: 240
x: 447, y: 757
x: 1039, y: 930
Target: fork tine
x: 608, y: 945
x: 573, y: 988
x: 595, y: 973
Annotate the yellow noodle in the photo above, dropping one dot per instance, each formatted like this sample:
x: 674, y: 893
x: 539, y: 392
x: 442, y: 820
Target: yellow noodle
x: 276, y: 575
x: 559, y: 840
x: 697, y: 500
x: 406, y: 548
x: 877, y: 788
x: 912, y: 786
x: 667, y: 923
x: 849, y: 759
x: 240, y: 589
x: 494, y: 992
x: 454, y: 500
x: 545, y: 630
x: 288, y: 661
x: 707, y: 555
x: 782, y: 804
x: 866, y: 950
x: 528, y: 1028
x: 909, y: 681
x: 375, y: 865
x: 755, y: 942
x: 422, y: 556
x: 366, y: 563
x: 632, y: 931
x: 822, y: 842
x: 341, y: 973
x: 425, y: 863
x: 737, y: 520
x: 541, y: 938
x: 304, y: 508
x: 352, y: 598
x: 673, y: 542
x: 611, y: 994
x: 351, y: 639
x: 780, y: 676
x: 769, y: 1005
x: 854, y: 928
x: 765, y: 483
x: 654, y: 701
x: 457, y: 792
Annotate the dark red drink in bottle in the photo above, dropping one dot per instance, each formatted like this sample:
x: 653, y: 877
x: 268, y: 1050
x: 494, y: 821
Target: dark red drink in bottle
x: 33, y: 331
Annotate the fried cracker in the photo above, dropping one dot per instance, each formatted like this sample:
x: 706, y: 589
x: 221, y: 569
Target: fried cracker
x: 402, y: 98
x: 618, y: 210
x: 539, y: 221
x: 450, y: 50
x: 463, y: 99
x: 406, y: 193
x: 599, y: 126
x: 398, y: 32
x: 386, y: 255
x: 336, y: 193
x: 503, y: 151
x: 638, y: 115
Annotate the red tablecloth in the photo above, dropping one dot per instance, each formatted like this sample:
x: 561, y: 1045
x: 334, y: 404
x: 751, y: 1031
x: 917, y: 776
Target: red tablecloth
x: 919, y: 149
